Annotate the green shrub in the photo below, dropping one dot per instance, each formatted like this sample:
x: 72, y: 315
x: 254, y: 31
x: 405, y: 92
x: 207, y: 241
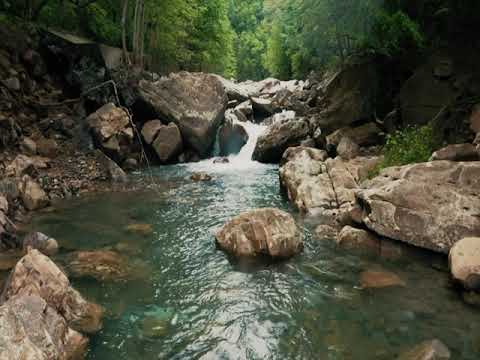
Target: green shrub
x: 394, y: 35
x: 408, y: 146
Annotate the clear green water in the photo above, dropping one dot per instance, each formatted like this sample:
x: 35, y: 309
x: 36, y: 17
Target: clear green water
x: 207, y: 307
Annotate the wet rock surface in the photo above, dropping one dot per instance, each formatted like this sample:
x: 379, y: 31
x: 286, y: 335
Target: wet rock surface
x: 464, y: 260
x: 37, y: 275
x: 268, y: 231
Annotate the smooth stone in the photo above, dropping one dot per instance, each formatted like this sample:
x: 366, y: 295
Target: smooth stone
x: 376, y: 279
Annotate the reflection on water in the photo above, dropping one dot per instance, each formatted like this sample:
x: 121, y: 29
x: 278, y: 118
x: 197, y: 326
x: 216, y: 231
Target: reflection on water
x: 193, y: 303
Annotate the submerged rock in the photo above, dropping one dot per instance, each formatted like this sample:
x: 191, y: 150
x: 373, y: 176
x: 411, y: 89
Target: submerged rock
x: 35, y: 274
x: 200, y: 176
x: 374, y: 279
x: 464, y: 260
x: 101, y: 265
x: 195, y: 102
x: 31, y: 329
x: 279, y: 137
x: 428, y: 350
x: 267, y: 231
x: 140, y: 229
x: 43, y: 243
x: 430, y: 205
x: 358, y: 239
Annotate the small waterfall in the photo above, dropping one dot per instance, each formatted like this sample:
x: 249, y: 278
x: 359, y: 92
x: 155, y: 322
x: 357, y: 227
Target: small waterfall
x: 242, y: 160
x: 244, y: 157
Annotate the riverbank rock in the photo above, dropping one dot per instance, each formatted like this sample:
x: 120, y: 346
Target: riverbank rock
x: 358, y: 239
x: 363, y: 135
x: 101, y: 265
x: 347, y: 149
x: 429, y: 205
x: 232, y: 138
x: 376, y: 279
x: 41, y: 242
x: 25, y: 165
x: 267, y: 231
x: 168, y: 143
x: 279, y: 137
x: 464, y: 261
x: 33, y: 196
x: 348, y: 96
x: 35, y: 274
x: 457, y: 152
x: 320, y: 186
x: 195, y: 102
x: 115, y: 172
x: 30, y: 329
x: 111, y: 129
x: 428, y: 350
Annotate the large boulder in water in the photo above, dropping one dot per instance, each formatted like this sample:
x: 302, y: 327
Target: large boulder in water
x: 431, y: 205
x: 279, y: 137
x: 35, y: 274
x: 195, y: 102
x: 231, y: 137
x: 31, y: 329
x: 268, y: 231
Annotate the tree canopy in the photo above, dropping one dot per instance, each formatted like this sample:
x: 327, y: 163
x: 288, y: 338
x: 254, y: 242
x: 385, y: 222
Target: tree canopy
x: 252, y: 39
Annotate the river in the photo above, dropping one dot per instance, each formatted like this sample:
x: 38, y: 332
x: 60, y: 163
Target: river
x: 194, y: 302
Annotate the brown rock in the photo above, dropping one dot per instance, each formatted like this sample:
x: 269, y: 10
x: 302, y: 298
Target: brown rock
x: 326, y: 232
x: 347, y: 149
x: 141, y: 229
x: 150, y: 130
x: 266, y: 231
x: 33, y: 196
x: 28, y: 146
x: 36, y: 240
x: 358, y: 239
x: 428, y: 350
x: 458, y: 152
x: 464, y: 260
x: 364, y: 135
x: 232, y: 137
x: 374, y: 279
x: 47, y: 147
x: 31, y: 329
x: 168, y: 143
x: 200, y: 176
x: 111, y: 128
x: 101, y: 265
x: 35, y: 274
x: 475, y: 119
x: 22, y: 165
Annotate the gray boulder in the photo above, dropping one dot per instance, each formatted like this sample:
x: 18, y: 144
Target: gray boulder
x: 279, y: 137
x: 168, y: 142
x: 195, y: 102
x: 430, y: 205
x: 232, y: 137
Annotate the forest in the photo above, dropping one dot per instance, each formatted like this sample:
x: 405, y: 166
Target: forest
x: 253, y: 39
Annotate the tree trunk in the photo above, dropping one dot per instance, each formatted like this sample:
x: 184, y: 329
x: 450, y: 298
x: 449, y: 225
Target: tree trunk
x: 126, y: 58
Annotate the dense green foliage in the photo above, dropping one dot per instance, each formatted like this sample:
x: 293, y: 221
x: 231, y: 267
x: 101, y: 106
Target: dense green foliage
x: 252, y: 39
x: 408, y: 146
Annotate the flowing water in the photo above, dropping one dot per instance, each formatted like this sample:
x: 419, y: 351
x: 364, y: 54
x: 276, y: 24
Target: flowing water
x: 192, y: 302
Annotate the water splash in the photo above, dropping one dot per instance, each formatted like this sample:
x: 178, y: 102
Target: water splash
x: 242, y: 160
